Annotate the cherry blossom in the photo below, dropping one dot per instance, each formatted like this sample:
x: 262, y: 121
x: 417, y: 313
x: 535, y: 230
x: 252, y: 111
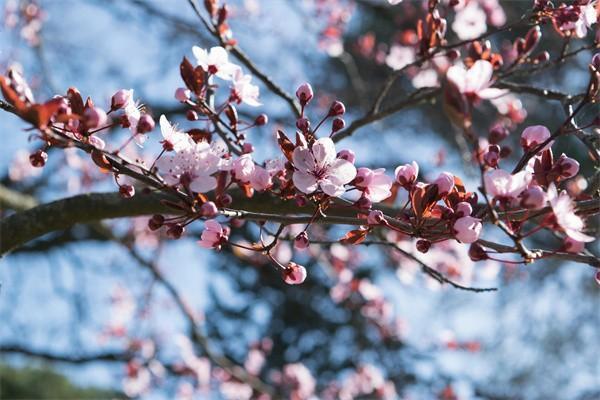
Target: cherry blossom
x: 121, y: 98
x: 407, y: 174
x: 374, y: 184
x: 213, y: 235
x: 299, y: 378
x: 567, y: 166
x: 503, y: 185
x: 533, y: 136
x: 534, y: 197
x: 243, y: 91
x: 445, y: 183
x: 467, y: 229
x: 173, y: 140
x: 191, y: 166
x: 294, y: 274
x: 475, y: 82
x: 564, y: 212
x: 399, y: 57
x: 317, y: 167
x: 588, y: 16
x: 215, y: 61
x: 260, y: 179
x: 469, y: 22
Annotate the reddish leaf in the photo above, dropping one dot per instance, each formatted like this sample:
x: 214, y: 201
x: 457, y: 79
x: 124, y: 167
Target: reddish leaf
x: 200, y: 135
x: 355, y: 236
x: 459, y: 185
x: 287, y: 147
x: 75, y: 101
x: 12, y: 96
x: 192, y: 77
x: 423, y: 199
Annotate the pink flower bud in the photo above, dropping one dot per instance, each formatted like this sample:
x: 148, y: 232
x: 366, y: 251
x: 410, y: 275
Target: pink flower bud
x: 127, y: 191
x: 463, y: 209
x: 445, y: 183
x: 301, y: 241
x: 38, y: 159
x: 226, y: 199
x: 363, y: 177
x: 304, y: 93
x: 337, y: 108
x: 294, y: 274
x: 209, y: 209
x: 375, y: 217
x: 533, y: 136
x: 156, y: 222
x: 337, y: 125
x: 467, y: 229
x: 423, y: 245
x: 120, y: 99
x: 567, y: 166
x: 94, y: 117
x: 303, y: 124
x: 407, y: 174
x: 182, y: 94
x: 533, y: 198
x: 364, y: 203
x: 145, y: 124
x: 347, y: 155
x: 491, y: 158
x: 497, y: 134
x: 261, y: 120
x: 247, y: 148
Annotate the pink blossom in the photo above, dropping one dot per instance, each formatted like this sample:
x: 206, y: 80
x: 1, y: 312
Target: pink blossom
x: 467, y: 229
x: 407, y: 174
x: 445, y: 183
x: 213, y: 235
x: 304, y: 93
x: 476, y: 81
x: 502, y: 185
x: 533, y: 198
x: 588, y: 16
x: 301, y: 241
x: 121, y: 98
x: 347, y: 155
x: 182, y: 94
x: 470, y: 22
x: 374, y: 184
x: 191, y: 166
x: 173, y: 140
x: 243, y: 168
x: 260, y: 179
x: 567, y: 166
x: 400, y: 57
x: 94, y: 117
x: 300, y: 379
x: 243, y: 91
x: 294, y: 274
x: 215, y: 61
x: 564, y: 212
x: 533, y: 136
x: 464, y: 209
x: 318, y: 167
x: 375, y: 217
x: 209, y: 209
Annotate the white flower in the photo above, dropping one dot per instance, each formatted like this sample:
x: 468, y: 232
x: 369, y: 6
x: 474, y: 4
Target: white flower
x: 243, y: 90
x: 564, y: 211
x: 400, y: 57
x: 318, y: 167
x: 215, y: 61
x: 174, y: 140
x: 470, y: 22
x: 475, y: 81
x: 191, y: 166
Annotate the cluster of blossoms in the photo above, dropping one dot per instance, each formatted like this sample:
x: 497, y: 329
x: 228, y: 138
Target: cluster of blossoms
x: 25, y: 16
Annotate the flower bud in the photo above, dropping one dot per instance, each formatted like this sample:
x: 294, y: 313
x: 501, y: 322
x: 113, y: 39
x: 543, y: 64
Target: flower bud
x: 156, y: 222
x: 175, y: 231
x: 497, y: 134
x: 423, y: 245
x: 247, y: 148
x: 463, y: 209
x: 225, y: 199
x: 337, y: 125
x: 209, y: 209
x: 304, y: 93
x: 182, y: 94
x: 191, y: 115
x: 467, y: 229
x: 375, y: 217
x: 533, y: 136
x: 294, y: 274
x: 261, y: 120
x: 407, y: 174
x: 491, y: 158
x: 303, y: 124
x: 567, y: 167
x: 337, y: 108
x: 145, y: 124
x: 120, y: 99
x: 347, y: 155
x: 127, y: 191
x: 94, y: 117
x: 477, y: 253
x: 364, y: 203
x: 445, y: 183
x: 301, y: 241
x: 38, y: 159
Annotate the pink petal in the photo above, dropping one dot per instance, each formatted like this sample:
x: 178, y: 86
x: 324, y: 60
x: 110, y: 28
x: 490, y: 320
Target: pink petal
x: 479, y: 76
x: 203, y: 184
x: 303, y: 159
x: 324, y: 152
x: 341, y: 172
x: 304, y: 182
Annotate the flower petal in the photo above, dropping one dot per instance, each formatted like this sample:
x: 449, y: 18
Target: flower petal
x: 341, y: 172
x: 304, y: 182
x: 324, y: 152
